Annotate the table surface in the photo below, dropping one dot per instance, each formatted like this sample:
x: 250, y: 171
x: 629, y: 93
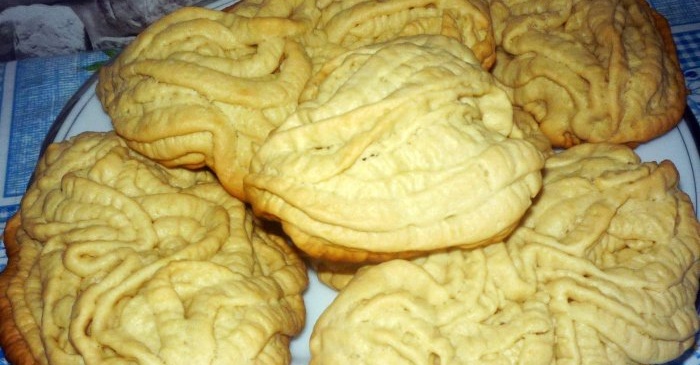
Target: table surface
x: 33, y: 92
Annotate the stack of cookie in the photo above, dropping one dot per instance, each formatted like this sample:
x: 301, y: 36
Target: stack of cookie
x: 461, y: 171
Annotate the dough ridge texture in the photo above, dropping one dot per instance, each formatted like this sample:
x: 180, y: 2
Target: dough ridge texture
x: 384, y: 136
x: 203, y: 87
x: 117, y: 259
x: 590, y: 71
x: 603, y: 270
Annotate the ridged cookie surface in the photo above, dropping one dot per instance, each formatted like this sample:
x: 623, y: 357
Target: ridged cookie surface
x: 603, y: 270
x: 590, y: 71
x: 118, y: 259
x: 356, y: 23
x: 204, y: 88
x: 399, y: 148
x: 337, y: 26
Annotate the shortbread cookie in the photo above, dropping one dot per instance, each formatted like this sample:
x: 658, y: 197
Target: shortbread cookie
x: 604, y: 269
x: 118, y: 259
x: 300, y: 11
x: 590, y: 71
x: 337, y: 26
x: 356, y: 23
x: 204, y: 88
x: 617, y: 245
x: 400, y: 148
x: 460, y: 307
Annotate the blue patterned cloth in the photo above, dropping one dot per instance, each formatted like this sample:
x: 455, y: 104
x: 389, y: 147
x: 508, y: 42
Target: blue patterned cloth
x: 34, y: 91
x: 678, y: 12
x: 684, y: 17
x: 688, y: 49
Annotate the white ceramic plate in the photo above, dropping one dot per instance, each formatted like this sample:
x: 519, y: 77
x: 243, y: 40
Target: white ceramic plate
x: 84, y: 113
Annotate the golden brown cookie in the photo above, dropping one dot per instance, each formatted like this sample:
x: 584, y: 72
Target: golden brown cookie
x: 335, y: 275
x: 119, y: 259
x: 603, y: 269
x: 590, y: 71
x: 13, y: 344
x: 400, y: 148
x: 204, y: 88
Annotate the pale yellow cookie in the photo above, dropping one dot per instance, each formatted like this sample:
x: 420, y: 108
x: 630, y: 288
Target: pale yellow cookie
x: 120, y: 260
x: 399, y: 148
x: 590, y: 71
x: 300, y: 11
x: 603, y: 270
x: 617, y: 246
x: 204, y: 88
x: 458, y: 307
x: 356, y: 23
